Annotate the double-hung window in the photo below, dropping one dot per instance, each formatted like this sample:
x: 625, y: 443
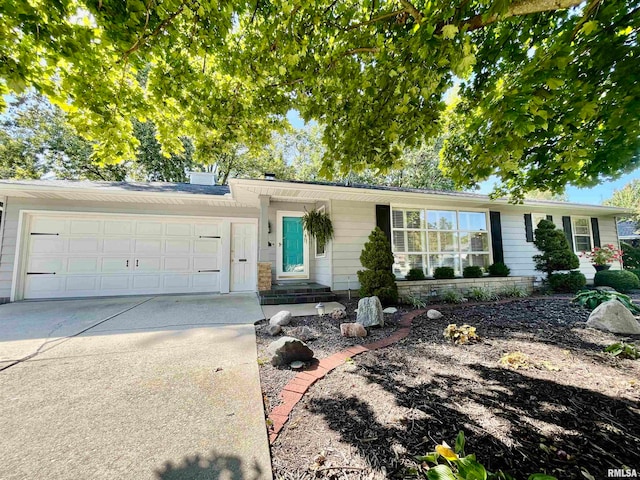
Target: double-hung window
x: 581, y: 227
x: 427, y: 239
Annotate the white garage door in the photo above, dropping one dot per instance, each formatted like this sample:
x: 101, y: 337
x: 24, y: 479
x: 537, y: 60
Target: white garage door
x: 105, y: 255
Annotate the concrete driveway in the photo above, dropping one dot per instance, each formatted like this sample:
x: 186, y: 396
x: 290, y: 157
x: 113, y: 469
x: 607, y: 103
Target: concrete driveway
x: 132, y: 388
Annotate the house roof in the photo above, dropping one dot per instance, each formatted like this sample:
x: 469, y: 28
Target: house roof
x: 628, y: 229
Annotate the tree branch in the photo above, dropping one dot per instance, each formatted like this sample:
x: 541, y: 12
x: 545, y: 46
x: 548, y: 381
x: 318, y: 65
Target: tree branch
x: 412, y: 10
x: 354, y: 51
x: 379, y: 18
x: 155, y: 31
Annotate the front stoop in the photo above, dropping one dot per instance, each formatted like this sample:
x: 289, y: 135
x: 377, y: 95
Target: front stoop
x: 290, y: 293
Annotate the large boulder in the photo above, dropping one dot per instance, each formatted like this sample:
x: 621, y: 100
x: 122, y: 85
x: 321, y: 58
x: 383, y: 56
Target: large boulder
x: 303, y: 333
x: 390, y: 310
x: 274, y: 330
x: 288, y: 349
x: 613, y: 316
x: 352, y: 330
x: 281, y: 318
x: 370, y: 312
x: 434, y: 314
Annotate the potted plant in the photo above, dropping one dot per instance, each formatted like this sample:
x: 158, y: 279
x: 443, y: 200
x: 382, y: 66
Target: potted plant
x: 317, y: 224
x: 602, y: 257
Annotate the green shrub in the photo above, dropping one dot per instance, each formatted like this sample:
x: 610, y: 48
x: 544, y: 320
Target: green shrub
x: 482, y: 294
x: 567, y: 282
x: 453, y: 296
x: 555, y: 253
x: 378, y: 280
x: 499, y: 269
x: 415, y: 274
x: 514, y: 291
x: 621, y: 280
x: 630, y: 256
x: 441, y: 273
x: 472, y: 272
x: 623, y: 350
x: 635, y: 271
x: 592, y: 298
x: 414, y: 301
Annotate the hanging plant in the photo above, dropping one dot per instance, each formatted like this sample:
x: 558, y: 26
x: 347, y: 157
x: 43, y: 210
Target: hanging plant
x: 318, y: 225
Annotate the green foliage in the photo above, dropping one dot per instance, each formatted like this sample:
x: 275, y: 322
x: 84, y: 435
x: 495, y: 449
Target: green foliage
x: 513, y: 291
x: 445, y: 463
x: 630, y: 256
x: 442, y: 273
x: 453, y: 296
x: 482, y: 294
x: 635, y: 271
x: 592, y: 298
x: 227, y: 74
x: 498, y: 269
x: 556, y: 253
x: 318, y: 225
x: 627, y: 197
x: 623, y: 350
x: 415, y: 274
x: 378, y: 279
x: 472, y: 272
x: 414, y: 301
x: 567, y: 282
x: 622, y: 280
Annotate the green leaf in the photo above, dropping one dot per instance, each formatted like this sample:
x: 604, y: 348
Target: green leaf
x: 470, y: 469
x: 554, y: 83
x: 449, y: 32
x: 460, y: 441
x: 441, y: 472
x: 589, y: 27
x: 541, y: 476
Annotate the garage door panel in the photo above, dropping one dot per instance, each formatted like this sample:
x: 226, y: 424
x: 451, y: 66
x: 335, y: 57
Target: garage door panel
x: 177, y: 264
x: 115, y: 264
x: 210, y: 246
x: 84, y: 245
x: 147, y: 246
x: 178, y: 229
x: 48, y: 225
x: 152, y: 264
x: 115, y: 283
x: 177, y: 282
x: 173, y: 247
x: 118, y: 227
x: 116, y: 245
x: 77, y: 284
x: 207, y: 230
x: 205, y: 263
x: 47, y: 244
x: 149, y: 228
x: 210, y: 281
x: 146, y: 282
x: 45, y: 285
x: 82, y: 265
x: 46, y: 264
x: 84, y: 227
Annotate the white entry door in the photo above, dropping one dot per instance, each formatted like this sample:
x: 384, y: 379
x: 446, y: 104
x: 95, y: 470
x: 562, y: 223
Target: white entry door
x: 71, y: 255
x: 243, y: 257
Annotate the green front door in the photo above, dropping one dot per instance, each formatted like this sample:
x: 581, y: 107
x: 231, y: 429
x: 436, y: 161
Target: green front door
x: 292, y: 245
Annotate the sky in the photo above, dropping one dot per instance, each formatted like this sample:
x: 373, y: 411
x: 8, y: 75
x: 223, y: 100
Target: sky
x: 594, y: 195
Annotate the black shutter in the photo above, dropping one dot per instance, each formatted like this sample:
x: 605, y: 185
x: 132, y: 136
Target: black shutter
x: 496, y: 237
x: 550, y: 218
x: 383, y: 219
x: 595, y: 230
x: 528, y: 227
x: 566, y: 226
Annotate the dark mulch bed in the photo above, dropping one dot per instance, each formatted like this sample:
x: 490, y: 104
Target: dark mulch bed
x: 375, y: 414
x: 328, y: 341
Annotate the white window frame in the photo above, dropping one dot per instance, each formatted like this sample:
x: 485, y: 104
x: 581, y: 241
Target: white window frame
x: 323, y: 254
x: 574, y: 235
x: 457, y: 231
x: 541, y: 216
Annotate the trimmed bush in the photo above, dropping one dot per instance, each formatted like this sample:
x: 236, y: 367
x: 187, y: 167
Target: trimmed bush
x: 472, y: 272
x: 621, y: 280
x: 378, y: 280
x: 635, y: 271
x: 555, y: 251
x: 442, y: 273
x: 415, y: 274
x: 499, y: 269
x: 567, y: 282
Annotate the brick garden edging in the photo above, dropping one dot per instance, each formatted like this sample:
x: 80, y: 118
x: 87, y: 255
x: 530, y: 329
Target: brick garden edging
x: 293, y: 391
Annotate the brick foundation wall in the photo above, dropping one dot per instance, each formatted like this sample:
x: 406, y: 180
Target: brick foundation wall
x: 435, y: 288
x: 264, y: 276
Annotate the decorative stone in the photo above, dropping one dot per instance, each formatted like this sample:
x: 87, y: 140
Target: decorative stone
x: 352, y: 330
x: 370, y: 312
x: 286, y: 350
x: 303, y: 333
x: 281, y: 318
x: 274, y: 330
x: 297, y: 365
x: 390, y: 310
x: 613, y: 316
x: 338, y: 314
x: 434, y: 314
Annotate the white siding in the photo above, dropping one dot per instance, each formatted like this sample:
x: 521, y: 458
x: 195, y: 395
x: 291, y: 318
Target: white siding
x: 14, y: 205
x: 352, y: 223
x: 518, y: 253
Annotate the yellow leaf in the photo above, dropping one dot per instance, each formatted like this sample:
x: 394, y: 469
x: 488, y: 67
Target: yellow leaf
x: 446, y: 452
x: 449, y: 31
x: 589, y: 27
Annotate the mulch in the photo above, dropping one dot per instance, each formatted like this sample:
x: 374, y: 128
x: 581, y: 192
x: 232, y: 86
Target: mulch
x: 569, y: 409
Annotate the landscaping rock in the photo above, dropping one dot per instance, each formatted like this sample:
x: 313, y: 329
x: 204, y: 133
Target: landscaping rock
x: 434, y: 314
x: 390, y: 310
x: 281, y: 318
x: 274, y: 330
x: 303, y: 333
x: 338, y: 314
x: 370, y: 312
x: 352, y: 330
x: 286, y: 350
x: 613, y: 316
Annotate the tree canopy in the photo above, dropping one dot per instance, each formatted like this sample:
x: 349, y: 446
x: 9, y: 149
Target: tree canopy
x: 627, y: 197
x: 549, y: 91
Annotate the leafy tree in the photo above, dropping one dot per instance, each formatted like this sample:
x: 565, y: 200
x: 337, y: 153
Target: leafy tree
x: 627, y: 197
x: 549, y: 91
x: 556, y: 255
x: 546, y: 195
x: 378, y: 279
